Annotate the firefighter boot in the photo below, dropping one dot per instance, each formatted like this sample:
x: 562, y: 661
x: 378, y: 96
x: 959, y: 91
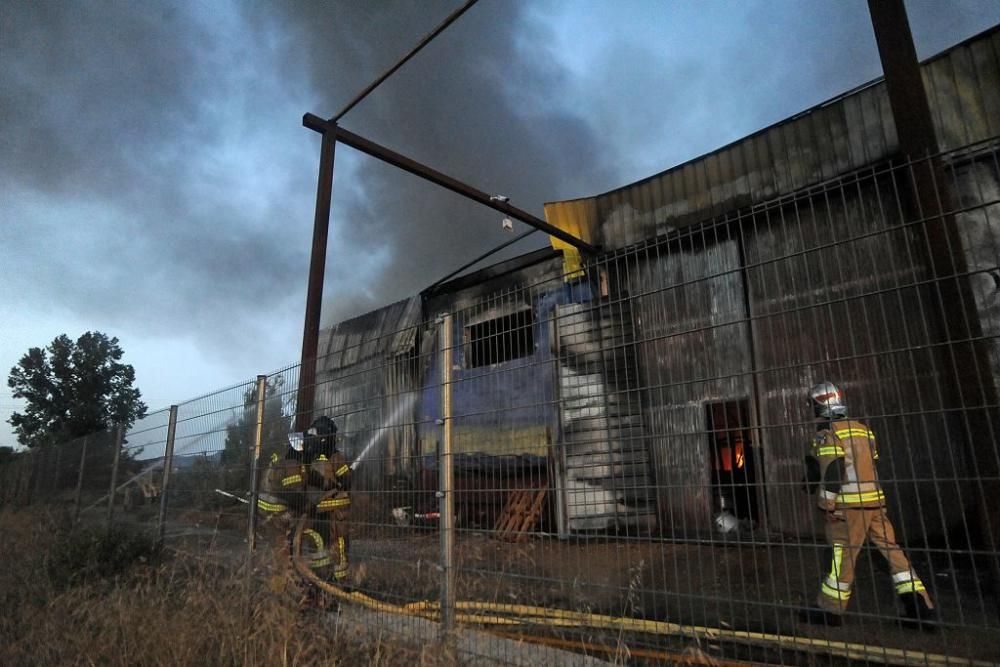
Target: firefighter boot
x: 817, y: 616
x: 916, y: 613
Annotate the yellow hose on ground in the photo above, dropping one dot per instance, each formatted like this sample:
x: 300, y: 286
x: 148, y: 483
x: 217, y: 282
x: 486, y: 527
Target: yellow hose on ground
x: 532, y: 615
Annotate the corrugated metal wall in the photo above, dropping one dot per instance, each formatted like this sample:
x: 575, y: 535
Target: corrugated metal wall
x: 745, y: 276
x: 367, y: 381
x: 833, y: 281
x: 975, y: 189
x: 839, y: 136
x: 694, y: 348
x: 838, y: 292
x: 836, y: 286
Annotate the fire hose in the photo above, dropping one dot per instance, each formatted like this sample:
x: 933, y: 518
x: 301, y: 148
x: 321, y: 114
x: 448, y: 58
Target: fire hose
x: 511, y: 615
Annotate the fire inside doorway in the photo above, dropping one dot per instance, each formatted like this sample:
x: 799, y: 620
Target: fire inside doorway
x: 734, y: 493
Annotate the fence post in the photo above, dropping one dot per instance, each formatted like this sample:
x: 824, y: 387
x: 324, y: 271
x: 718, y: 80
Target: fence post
x: 446, y: 502
x: 79, y: 481
x: 255, y: 461
x: 39, y: 469
x: 119, y: 437
x: 168, y: 464
x: 57, y: 487
x: 24, y: 479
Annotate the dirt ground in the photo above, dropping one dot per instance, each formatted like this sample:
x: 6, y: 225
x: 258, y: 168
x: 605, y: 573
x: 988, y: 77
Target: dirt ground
x: 716, y: 585
x: 719, y: 585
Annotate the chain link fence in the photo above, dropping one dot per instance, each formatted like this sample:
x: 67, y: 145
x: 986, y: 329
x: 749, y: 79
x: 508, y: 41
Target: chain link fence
x: 615, y: 457
x: 614, y: 461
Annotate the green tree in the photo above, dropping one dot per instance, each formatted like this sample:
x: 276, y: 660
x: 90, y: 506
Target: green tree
x: 73, y: 389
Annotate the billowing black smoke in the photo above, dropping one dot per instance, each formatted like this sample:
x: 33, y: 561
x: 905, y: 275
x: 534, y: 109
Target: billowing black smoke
x: 473, y: 105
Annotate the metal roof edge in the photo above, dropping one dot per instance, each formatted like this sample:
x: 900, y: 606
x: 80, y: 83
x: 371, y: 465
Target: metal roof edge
x: 805, y: 112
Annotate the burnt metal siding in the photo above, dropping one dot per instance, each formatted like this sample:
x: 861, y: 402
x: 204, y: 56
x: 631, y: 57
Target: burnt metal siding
x: 838, y: 136
x: 693, y: 349
x: 835, y: 284
x: 836, y: 294
x: 572, y: 403
x: 975, y: 192
x: 367, y: 377
x: 963, y: 88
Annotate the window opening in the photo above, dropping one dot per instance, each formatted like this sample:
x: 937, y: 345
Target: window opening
x: 501, y: 339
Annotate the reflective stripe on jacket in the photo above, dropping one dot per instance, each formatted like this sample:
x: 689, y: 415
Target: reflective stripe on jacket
x: 857, y: 486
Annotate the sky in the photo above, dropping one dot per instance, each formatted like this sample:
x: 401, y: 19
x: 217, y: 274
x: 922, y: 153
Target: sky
x: 156, y: 182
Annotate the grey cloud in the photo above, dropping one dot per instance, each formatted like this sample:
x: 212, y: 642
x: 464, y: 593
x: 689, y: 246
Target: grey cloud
x: 88, y: 85
x: 117, y: 115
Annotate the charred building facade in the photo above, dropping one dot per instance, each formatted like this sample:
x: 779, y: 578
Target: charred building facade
x: 665, y: 379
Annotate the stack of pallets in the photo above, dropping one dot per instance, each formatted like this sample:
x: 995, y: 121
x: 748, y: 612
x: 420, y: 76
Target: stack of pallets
x: 520, y: 514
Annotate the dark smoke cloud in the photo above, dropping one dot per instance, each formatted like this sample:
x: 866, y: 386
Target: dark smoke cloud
x: 155, y: 174
x: 492, y: 103
x: 459, y: 107
x: 86, y: 86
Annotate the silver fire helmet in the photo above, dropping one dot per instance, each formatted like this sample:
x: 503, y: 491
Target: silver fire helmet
x: 827, y: 401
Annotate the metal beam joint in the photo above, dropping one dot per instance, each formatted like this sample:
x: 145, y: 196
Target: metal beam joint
x: 357, y: 142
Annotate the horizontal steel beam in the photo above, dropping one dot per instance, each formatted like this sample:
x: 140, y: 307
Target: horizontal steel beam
x: 357, y: 142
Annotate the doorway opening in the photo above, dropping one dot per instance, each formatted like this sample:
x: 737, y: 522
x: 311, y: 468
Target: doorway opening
x: 732, y: 459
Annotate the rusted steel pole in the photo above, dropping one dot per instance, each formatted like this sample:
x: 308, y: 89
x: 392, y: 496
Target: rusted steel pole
x: 446, y: 495
x: 317, y: 124
x: 314, y: 292
x: 168, y: 464
x: 911, y: 112
x: 119, y: 437
x: 972, y: 392
x: 79, y: 481
x: 255, y: 461
x: 932, y: 201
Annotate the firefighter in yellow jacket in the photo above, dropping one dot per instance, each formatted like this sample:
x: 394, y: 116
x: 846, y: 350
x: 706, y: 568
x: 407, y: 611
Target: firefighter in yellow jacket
x: 313, y: 478
x: 842, y: 461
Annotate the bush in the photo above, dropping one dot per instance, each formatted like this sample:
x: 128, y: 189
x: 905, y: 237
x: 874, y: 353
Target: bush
x: 83, y: 555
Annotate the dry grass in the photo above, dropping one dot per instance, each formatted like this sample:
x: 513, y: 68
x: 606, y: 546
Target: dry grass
x: 78, y: 600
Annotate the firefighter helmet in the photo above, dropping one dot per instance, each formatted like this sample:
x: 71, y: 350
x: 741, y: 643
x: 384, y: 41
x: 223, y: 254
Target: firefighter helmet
x: 322, y: 426
x: 827, y: 401
x: 321, y: 436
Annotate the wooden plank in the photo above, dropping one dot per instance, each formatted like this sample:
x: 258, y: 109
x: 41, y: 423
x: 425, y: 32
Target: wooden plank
x: 520, y: 514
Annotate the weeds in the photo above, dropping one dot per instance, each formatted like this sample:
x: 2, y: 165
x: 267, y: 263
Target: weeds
x: 98, y: 598
x: 622, y: 653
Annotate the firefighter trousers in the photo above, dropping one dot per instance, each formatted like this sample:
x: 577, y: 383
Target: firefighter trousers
x: 847, y: 536
x: 325, y: 542
x: 331, y: 522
